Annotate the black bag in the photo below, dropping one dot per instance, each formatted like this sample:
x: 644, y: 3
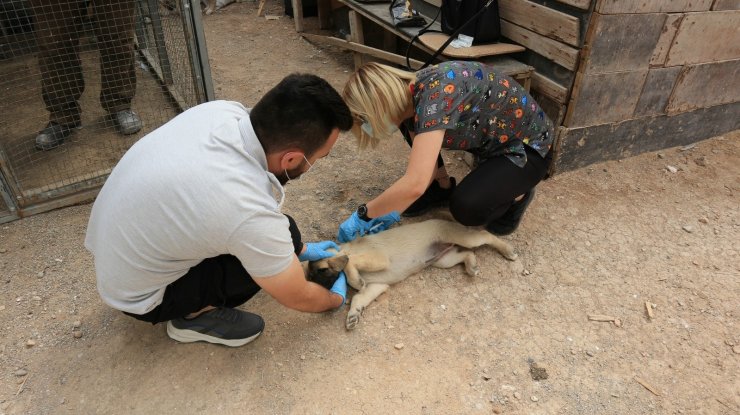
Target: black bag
x: 486, y: 28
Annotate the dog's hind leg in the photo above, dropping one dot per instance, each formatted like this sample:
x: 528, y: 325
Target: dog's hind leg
x: 457, y: 256
x: 361, y: 300
x: 471, y: 238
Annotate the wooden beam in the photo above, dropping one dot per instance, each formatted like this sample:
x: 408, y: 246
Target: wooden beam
x: 549, y: 88
x: 560, y: 53
x: 542, y: 19
x: 726, y: 5
x: 706, y: 37
x: 660, y: 53
x: 356, y: 34
x: 581, y: 4
x: 324, y: 10
x: 356, y: 47
x: 298, y: 15
x: 652, y: 6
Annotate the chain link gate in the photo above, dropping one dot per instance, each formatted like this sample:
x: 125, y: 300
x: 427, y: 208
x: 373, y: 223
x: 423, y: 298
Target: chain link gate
x: 82, y: 81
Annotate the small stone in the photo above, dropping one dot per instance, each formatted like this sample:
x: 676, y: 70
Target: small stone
x: 2, y: 307
x: 486, y: 376
x: 534, y: 398
x: 736, y: 349
x: 30, y: 343
x: 303, y: 357
x: 443, y: 307
x: 701, y: 161
x: 526, y: 272
x: 76, y: 324
x: 661, y: 155
x: 590, y: 353
x: 703, y: 220
x: 671, y: 169
x: 688, y: 228
x: 618, y: 322
x: 21, y: 372
x: 77, y: 334
x: 517, y: 395
x: 398, y: 346
x: 3, y: 250
x: 497, y: 409
x: 36, y: 298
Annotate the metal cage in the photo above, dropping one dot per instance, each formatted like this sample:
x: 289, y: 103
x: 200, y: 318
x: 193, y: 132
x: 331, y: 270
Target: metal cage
x: 73, y: 73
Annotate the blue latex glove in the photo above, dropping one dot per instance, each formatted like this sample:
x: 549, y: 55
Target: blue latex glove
x: 355, y: 227
x: 318, y: 250
x: 340, y: 287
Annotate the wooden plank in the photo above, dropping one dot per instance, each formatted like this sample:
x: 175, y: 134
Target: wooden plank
x: 581, y: 4
x: 660, y: 53
x: 726, y: 5
x: 356, y: 34
x: 615, y: 47
x: 560, y: 53
x: 605, y: 98
x: 435, y: 41
x: 656, y: 91
x: 580, y: 147
x: 549, y: 88
x: 324, y: 11
x: 542, y: 19
x: 706, y: 37
x: 356, y: 47
x: 706, y: 85
x: 652, y: 6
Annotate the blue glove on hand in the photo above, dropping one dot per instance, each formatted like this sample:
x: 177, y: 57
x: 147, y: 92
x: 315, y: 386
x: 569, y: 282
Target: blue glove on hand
x: 355, y: 227
x: 317, y: 250
x: 340, y: 287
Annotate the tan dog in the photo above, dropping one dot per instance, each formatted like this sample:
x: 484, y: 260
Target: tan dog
x: 375, y: 262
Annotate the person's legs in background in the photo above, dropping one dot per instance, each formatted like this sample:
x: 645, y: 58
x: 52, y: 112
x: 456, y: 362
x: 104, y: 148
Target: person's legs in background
x: 58, y: 25
x: 115, y: 32
x: 497, y: 193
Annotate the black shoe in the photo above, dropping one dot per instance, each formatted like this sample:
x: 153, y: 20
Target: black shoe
x: 508, y: 223
x: 434, y: 196
x: 127, y: 122
x: 227, y: 326
x: 53, y: 135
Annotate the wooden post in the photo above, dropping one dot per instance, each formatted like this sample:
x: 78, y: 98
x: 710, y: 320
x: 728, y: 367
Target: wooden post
x: 356, y: 34
x: 298, y: 15
x: 324, y: 7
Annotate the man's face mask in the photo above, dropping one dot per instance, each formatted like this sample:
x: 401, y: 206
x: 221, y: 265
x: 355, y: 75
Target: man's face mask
x: 295, y: 174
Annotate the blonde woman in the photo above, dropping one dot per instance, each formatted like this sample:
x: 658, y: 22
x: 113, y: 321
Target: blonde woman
x: 455, y: 105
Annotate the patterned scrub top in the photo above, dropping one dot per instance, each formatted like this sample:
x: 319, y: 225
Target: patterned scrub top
x: 483, y: 112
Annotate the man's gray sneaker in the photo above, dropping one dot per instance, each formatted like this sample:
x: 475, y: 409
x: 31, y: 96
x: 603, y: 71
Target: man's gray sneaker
x: 227, y: 326
x: 127, y: 122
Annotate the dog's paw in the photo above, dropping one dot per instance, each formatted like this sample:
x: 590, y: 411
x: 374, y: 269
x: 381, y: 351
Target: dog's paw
x: 473, y: 270
x: 352, y: 320
x: 509, y: 253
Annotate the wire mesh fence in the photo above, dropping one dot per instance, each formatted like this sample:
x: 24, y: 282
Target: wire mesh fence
x: 82, y: 81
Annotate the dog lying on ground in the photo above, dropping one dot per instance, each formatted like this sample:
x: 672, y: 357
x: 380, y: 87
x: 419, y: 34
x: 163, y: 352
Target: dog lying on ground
x: 375, y: 262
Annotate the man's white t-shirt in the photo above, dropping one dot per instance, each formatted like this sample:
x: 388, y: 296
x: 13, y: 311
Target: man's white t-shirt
x: 195, y: 188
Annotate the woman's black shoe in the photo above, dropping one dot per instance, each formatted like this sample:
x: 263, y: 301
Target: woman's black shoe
x: 435, y: 196
x: 508, y: 223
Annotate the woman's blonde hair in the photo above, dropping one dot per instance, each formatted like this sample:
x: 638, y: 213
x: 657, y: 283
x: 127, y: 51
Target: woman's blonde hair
x: 377, y: 93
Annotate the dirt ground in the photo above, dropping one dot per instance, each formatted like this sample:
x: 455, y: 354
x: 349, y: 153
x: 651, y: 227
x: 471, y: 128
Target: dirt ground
x: 659, y: 229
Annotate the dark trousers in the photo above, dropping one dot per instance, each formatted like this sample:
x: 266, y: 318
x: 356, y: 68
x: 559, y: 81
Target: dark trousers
x: 58, y: 29
x: 220, y: 281
x: 489, y: 190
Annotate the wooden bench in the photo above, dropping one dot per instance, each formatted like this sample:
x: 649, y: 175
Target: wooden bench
x: 379, y: 14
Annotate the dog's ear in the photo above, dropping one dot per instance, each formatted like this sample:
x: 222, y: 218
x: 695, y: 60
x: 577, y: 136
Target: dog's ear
x: 337, y: 263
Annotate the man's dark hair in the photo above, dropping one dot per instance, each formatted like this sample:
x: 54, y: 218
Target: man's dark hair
x: 301, y: 111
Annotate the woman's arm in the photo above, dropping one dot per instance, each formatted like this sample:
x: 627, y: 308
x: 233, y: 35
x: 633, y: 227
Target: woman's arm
x: 419, y: 173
